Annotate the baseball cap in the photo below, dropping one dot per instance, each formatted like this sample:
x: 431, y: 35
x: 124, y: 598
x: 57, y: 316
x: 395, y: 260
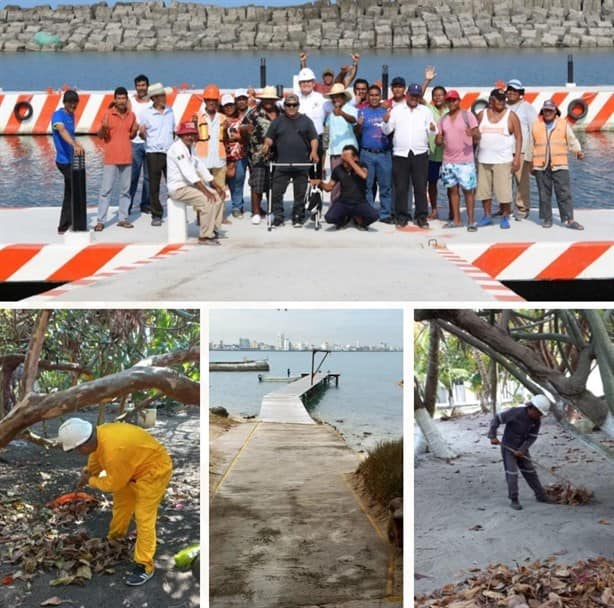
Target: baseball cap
x: 226, y: 99
x: 328, y: 71
x: 241, y: 93
x: 515, y: 84
x: 498, y: 94
x: 414, y: 89
x: 306, y: 74
x: 397, y: 81
x: 452, y: 94
x: 291, y: 97
x: 549, y: 105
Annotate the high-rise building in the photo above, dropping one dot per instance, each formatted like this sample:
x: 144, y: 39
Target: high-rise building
x: 244, y: 343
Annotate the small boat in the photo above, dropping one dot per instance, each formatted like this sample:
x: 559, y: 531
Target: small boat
x: 247, y: 365
x: 262, y: 378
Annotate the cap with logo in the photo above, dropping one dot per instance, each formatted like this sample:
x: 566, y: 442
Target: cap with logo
x: 414, y: 89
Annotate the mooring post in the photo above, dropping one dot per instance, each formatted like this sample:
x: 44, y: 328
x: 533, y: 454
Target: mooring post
x: 570, y: 75
x: 384, y: 81
x: 78, y: 202
x: 262, y: 72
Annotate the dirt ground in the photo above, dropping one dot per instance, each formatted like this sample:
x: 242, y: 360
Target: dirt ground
x: 462, y: 518
x: 31, y: 476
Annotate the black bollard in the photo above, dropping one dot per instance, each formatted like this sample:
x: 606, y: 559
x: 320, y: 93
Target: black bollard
x: 570, y: 69
x: 78, y: 203
x: 262, y: 72
x: 384, y: 82
x: 280, y: 90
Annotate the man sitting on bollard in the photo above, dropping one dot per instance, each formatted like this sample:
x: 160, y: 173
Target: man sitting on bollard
x: 63, y: 128
x: 137, y: 470
x: 352, y: 203
x: 185, y: 184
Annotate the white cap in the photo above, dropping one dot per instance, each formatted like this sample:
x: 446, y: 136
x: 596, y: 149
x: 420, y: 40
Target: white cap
x: 306, y: 74
x: 241, y: 93
x: 74, y: 432
x: 226, y: 99
x: 541, y: 403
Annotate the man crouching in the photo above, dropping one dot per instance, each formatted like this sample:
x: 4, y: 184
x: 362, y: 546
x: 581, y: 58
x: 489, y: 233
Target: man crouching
x: 352, y: 202
x: 127, y: 461
x: 185, y: 184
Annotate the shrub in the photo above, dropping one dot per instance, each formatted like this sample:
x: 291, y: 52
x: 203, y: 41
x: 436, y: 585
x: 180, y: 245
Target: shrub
x: 382, y: 471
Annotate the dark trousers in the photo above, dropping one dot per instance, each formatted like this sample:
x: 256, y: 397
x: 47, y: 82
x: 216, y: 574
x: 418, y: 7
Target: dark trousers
x: 562, y: 190
x: 138, y: 162
x: 342, y: 212
x: 156, y: 166
x: 281, y: 179
x: 66, y: 213
x: 414, y: 168
x: 512, y: 466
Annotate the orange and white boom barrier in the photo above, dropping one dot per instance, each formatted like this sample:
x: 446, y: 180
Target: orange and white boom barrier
x: 587, y: 108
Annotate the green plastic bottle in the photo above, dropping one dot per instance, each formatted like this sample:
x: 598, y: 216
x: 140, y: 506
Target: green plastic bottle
x: 185, y: 557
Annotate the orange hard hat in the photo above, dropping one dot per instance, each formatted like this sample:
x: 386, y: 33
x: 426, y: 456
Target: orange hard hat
x: 211, y: 92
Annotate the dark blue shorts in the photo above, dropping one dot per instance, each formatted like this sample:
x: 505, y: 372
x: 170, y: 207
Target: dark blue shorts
x: 434, y: 167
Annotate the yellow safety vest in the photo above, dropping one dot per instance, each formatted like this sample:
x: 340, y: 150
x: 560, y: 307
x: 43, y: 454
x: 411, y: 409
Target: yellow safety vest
x: 551, y: 145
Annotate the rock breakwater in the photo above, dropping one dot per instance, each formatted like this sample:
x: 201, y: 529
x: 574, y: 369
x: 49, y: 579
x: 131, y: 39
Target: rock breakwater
x: 346, y: 24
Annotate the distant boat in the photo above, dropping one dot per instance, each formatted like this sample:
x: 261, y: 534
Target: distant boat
x: 262, y: 378
x: 246, y: 365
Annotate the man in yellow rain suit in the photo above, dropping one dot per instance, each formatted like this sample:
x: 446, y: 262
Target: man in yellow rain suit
x: 128, y: 462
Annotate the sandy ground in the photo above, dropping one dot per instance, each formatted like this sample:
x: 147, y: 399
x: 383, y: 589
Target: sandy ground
x: 21, y: 466
x: 316, y: 536
x: 462, y: 516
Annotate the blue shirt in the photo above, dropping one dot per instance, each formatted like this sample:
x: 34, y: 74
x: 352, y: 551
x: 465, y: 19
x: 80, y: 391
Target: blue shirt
x: 371, y: 135
x: 63, y: 150
x: 159, y: 129
x: 340, y: 131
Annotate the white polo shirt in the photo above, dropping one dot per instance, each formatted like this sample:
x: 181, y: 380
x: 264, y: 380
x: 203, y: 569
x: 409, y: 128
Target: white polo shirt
x: 312, y: 105
x: 183, y: 168
x: 411, y: 129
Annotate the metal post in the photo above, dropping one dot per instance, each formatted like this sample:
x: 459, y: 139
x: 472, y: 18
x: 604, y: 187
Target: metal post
x: 570, y: 74
x: 384, y: 82
x: 262, y: 72
x: 279, y: 90
x: 78, y: 202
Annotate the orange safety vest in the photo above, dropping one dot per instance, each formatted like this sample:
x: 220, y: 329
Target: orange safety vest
x: 204, y: 136
x: 549, y: 145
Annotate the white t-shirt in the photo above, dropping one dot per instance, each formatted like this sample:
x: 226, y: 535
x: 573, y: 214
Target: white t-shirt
x: 138, y: 107
x: 527, y: 115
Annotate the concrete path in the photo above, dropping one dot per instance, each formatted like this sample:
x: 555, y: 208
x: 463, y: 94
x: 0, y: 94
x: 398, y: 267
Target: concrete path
x: 286, y: 405
x: 286, y: 530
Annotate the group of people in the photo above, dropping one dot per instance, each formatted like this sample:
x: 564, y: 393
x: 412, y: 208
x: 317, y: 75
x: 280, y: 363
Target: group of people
x: 401, y: 147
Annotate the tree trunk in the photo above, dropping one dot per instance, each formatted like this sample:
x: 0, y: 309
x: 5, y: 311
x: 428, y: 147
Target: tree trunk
x: 432, y: 370
x: 36, y: 407
x: 30, y: 366
x: 435, y: 440
x: 604, y: 352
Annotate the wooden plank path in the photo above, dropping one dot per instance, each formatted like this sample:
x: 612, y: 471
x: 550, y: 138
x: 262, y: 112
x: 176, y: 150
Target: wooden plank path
x: 285, y: 405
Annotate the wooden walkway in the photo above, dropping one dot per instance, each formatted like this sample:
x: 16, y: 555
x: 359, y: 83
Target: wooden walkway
x: 285, y: 405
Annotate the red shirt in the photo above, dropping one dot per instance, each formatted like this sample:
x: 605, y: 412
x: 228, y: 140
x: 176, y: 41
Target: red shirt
x: 118, y: 148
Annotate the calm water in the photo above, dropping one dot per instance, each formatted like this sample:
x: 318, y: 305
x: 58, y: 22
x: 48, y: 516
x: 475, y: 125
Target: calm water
x: 368, y: 399
x: 29, y: 175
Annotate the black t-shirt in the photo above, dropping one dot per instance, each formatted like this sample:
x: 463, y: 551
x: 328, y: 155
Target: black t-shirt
x: 353, y: 187
x: 292, y: 138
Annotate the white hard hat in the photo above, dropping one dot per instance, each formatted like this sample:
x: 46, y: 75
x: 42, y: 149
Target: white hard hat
x: 74, y: 432
x: 306, y: 74
x: 541, y: 403
x: 226, y: 99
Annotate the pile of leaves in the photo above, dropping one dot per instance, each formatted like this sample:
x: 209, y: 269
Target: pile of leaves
x: 566, y: 494
x: 35, y: 539
x: 587, y: 584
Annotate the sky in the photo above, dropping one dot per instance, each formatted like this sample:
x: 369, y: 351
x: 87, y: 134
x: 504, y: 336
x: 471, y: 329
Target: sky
x: 312, y: 326
x: 225, y: 3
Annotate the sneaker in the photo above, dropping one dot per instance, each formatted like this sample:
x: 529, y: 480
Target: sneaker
x: 516, y: 505
x: 574, y: 225
x: 545, y: 499
x: 505, y: 222
x: 547, y: 224
x: 297, y: 222
x: 256, y: 219
x: 485, y: 221
x: 237, y: 213
x: 387, y: 220
x: 472, y: 227
x: 138, y: 576
x: 278, y: 221
x: 156, y: 221
x: 422, y: 222
x: 203, y: 240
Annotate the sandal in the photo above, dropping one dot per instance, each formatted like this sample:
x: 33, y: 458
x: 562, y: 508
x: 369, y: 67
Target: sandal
x: 574, y: 225
x: 452, y: 225
x: 99, y: 227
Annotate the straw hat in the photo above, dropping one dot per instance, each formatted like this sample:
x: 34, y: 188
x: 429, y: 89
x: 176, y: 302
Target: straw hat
x: 269, y: 92
x: 158, y: 89
x: 339, y: 89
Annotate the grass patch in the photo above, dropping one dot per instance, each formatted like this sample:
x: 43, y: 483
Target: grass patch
x: 382, y: 471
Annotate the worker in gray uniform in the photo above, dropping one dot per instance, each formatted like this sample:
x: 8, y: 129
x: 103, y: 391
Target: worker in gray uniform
x: 521, y: 430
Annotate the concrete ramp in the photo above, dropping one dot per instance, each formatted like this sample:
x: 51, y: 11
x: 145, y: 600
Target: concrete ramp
x: 285, y: 405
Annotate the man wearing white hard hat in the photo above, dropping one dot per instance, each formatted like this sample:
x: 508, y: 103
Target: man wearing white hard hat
x: 136, y: 470
x: 311, y: 103
x: 522, y: 426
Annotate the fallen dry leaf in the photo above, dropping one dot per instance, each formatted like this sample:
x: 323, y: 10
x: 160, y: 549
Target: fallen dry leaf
x: 55, y: 601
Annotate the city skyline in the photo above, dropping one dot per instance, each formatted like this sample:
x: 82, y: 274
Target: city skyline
x: 335, y: 326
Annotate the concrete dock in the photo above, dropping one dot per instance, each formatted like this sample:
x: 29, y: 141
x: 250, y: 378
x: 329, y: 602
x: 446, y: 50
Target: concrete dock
x: 286, y: 529
x: 383, y: 264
